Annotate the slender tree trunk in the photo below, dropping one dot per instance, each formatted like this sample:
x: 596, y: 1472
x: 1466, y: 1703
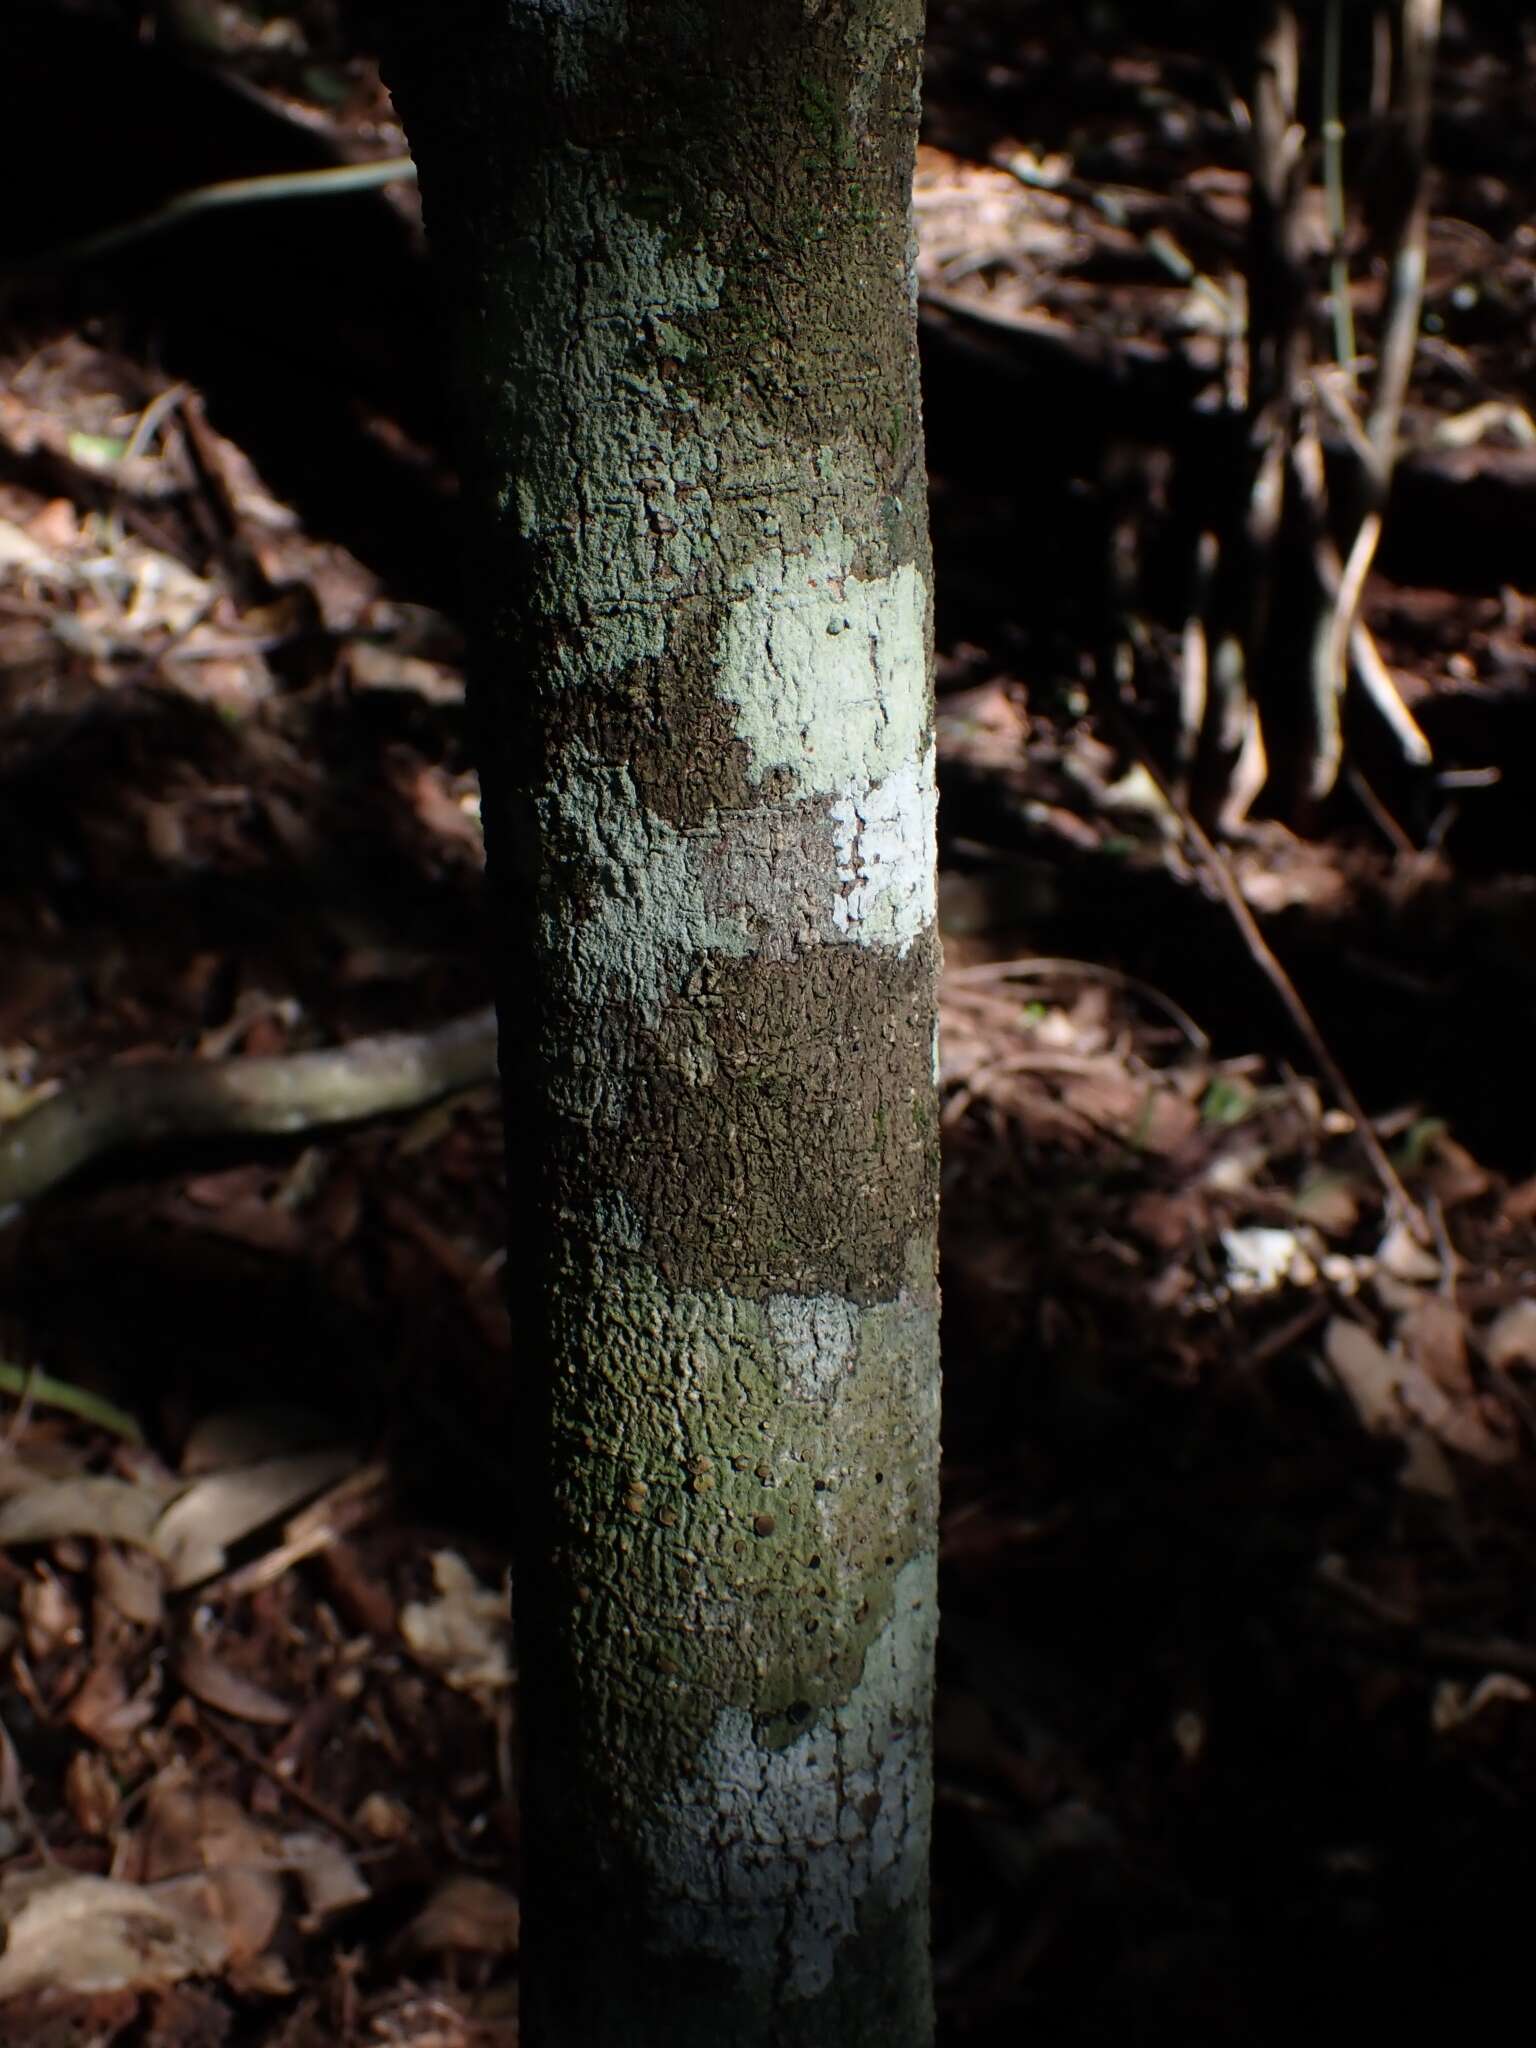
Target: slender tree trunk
x: 675, y: 248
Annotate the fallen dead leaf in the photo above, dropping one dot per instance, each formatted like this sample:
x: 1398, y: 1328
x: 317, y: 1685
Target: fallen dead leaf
x: 50, y: 1619
x: 104, y: 1711
x: 384, y: 1818
x: 1426, y: 1469
x: 1434, y: 1335
x: 1510, y: 1338
x: 468, y: 1915
x: 194, y: 1533
x: 132, y: 1582
x: 91, y: 1791
x: 246, y: 1901
x: 1330, y: 1202
x: 66, y: 1932
x: 117, y: 1510
x: 209, y: 1679
x: 1401, y: 1255
x: 465, y: 1634
x: 1368, y: 1373
x: 330, y: 1880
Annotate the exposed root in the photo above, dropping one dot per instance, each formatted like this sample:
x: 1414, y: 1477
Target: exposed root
x: 141, y: 1105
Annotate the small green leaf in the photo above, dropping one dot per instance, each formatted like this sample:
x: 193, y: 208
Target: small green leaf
x: 1225, y: 1102
x: 97, y: 451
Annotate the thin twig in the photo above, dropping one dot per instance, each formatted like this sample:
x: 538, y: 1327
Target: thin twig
x: 309, y: 1801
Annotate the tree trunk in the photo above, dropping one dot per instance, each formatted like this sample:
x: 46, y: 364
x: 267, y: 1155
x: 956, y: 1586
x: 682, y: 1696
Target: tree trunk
x: 675, y: 249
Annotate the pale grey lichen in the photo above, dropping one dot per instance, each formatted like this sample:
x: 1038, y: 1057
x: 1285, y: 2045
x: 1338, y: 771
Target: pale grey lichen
x: 815, y: 1336
x: 766, y: 1856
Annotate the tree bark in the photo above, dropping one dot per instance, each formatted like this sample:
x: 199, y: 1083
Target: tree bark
x: 675, y: 247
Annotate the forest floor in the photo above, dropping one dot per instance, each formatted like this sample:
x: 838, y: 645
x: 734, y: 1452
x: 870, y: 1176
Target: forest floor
x: 1237, y: 1714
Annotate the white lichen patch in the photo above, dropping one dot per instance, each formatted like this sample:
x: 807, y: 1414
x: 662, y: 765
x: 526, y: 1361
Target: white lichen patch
x: 827, y: 675
x: 764, y: 1856
x: 885, y: 856
x: 768, y: 883
x: 815, y: 1336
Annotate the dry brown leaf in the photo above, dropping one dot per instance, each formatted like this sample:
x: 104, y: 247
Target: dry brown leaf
x: 209, y: 1679
x: 247, y: 1903
x: 468, y: 1915
x: 133, y: 1583
x: 385, y: 1818
x: 465, y: 1634
x: 117, y: 1510
x: 50, y: 1619
x: 104, y: 1712
x: 1401, y: 1255
x: 329, y: 1879
x: 1369, y: 1375
x: 189, y: 1828
x: 1510, y: 1338
x: 1330, y: 1202
x: 1434, y: 1335
x: 1426, y: 1469
x: 1387, y: 1389
x: 91, y: 1792
x: 194, y: 1532
x: 1454, y: 1174
x: 65, y: 1932
x: 1168, y: 1220
x: 372, y: 667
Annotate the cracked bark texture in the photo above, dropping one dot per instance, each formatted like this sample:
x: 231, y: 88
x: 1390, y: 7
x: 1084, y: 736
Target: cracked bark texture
x: 675, y: 246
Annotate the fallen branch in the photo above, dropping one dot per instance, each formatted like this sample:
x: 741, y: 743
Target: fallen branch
x: 271, y: 1096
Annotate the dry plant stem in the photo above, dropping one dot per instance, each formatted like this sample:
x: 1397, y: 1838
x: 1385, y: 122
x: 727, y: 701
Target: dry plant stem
x: 1194, y: 658
x: 1376, y: 680
x: 328, y: 181
x: 1400, y: 327
x: 1332, y: 574
x: 1421, y: 35
x: 1242, y: 580
x: 138, y: 1105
